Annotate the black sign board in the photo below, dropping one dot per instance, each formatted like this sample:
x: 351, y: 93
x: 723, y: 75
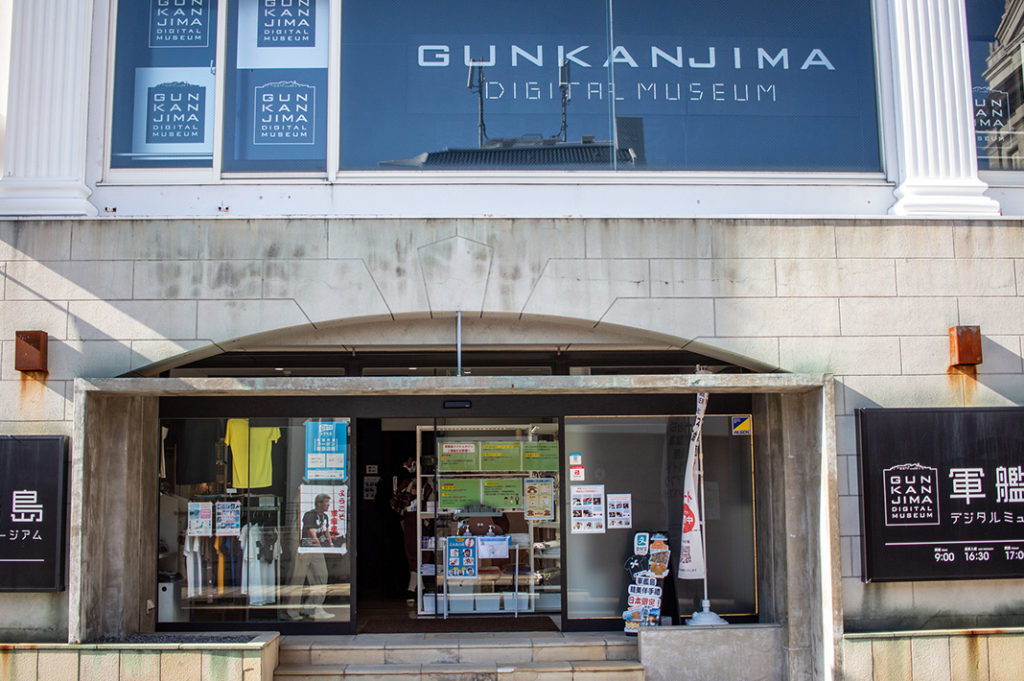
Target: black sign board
x: 33, y: 478
x: 943, y: 493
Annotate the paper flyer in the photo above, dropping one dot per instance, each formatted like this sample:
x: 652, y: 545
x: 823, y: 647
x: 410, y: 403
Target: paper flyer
x: 229, y: 518
x: 620, y: 511
x: 323, y: 521
x: 539, y: 498
x: 586, y: 503
x: 200, y: 519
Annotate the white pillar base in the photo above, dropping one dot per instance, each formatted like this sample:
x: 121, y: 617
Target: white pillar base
x: 957, y: 197
x: 27, y: 197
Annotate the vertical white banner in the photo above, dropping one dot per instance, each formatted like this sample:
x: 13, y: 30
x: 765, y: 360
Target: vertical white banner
x: 691, y: 551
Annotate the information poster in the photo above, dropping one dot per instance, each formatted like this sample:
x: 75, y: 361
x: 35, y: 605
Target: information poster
x: 456, y: 457
x: 501, y: 456
x: 494, y: 547
x: 229, y: 519
x: 330, y: 520
x: 540, y: 456
x: 586, y: 503
x: 503, y: 493
x: 326, y: 450
x: 458, y: 493
x: 539, y: 498
x: 200, y: 519
x: 620, y: 511
x: 461, y: 558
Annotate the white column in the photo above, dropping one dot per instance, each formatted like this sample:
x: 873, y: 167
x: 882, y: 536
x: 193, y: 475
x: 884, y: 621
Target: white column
x: 938, y: 167
x: 44, y: 155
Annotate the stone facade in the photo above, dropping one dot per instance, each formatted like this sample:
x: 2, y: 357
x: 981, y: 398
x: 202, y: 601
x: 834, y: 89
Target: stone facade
x: 869, y: 301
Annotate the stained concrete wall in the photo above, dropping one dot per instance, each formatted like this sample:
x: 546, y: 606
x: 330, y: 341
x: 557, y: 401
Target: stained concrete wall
x: 112, y: 578
x: 868, y: 300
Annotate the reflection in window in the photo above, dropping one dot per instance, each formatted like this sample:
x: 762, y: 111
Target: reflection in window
x: 729, y: 85
x: 254, y: 521
x: 164, y: 84
x: 996, y: 41
x: 726, y: 85
x: 276, y: 94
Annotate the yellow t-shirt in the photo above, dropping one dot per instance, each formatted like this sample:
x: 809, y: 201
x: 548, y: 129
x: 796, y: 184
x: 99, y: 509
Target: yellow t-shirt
x: 250, y: 453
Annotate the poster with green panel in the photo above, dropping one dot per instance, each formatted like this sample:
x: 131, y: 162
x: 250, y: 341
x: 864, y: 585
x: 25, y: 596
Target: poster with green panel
x: 540, y: 456
x: 503, y: 493
x: 458, y: 493
x: 501, y: 456
x: 457, y: 457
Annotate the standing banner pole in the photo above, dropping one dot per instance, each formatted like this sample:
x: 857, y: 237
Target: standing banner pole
x: 693, y: 551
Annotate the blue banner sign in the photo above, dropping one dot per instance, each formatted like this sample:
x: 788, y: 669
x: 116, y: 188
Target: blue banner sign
x: 326, y: 450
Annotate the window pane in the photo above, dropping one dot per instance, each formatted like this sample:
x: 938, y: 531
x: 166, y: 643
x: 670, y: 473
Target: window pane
x: 164, y: 84
x: 254, y: 521
x: 622, y: 455
x: 995, y: 50
x: 730, y: 85
x: 276, y: 93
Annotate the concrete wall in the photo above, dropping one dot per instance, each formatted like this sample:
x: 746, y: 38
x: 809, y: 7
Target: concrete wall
x: 868, y: 300
x: 979, y: 655
x: 709, y: 653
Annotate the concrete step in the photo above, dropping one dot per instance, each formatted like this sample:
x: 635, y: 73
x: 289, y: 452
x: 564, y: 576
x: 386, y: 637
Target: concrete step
x: 583, y: 670
x: 544, y: 656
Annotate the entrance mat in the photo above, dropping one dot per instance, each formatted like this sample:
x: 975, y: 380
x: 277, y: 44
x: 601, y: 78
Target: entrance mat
x: 399, y: 625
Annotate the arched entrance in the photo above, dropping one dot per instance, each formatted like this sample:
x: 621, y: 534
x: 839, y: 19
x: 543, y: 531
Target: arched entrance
x: 792, y: 465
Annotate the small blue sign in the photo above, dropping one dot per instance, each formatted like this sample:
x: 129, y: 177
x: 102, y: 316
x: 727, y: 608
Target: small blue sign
x: 741, y: 425
x: 326, y: 450
x: 460, y: 557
